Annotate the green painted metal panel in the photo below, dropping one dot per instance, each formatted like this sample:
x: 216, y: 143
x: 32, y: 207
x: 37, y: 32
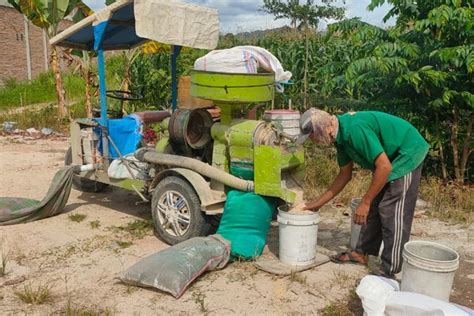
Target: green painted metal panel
x: 242, y: 132
x: 267, y: 170
x: 219, y: 156
x: 231, y: 87
x: 288, y: 196
x: 292, y: 160
x: 218, y: 132
x: 241, y: 153
x: 128, y: 184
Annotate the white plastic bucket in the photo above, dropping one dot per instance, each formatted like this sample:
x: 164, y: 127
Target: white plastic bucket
x: 429, y: 269
x: 288, y: 119
x: 355, y: 228
x: 298, y: 233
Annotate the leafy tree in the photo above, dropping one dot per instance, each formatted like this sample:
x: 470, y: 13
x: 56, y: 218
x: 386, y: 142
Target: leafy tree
x: 305, y: 17
x: 423, y: 67
x: 47, y: 14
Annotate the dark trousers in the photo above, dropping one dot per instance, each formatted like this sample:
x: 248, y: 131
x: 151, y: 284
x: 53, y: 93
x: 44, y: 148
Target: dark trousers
x: 390, y: 218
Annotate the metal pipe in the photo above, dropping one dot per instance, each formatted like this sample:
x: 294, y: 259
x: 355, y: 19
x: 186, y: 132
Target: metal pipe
x: 27, y: 44
x: 195, y: 165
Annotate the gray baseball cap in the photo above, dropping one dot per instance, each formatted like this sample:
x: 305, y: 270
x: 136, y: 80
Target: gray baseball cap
x: 306, y: 126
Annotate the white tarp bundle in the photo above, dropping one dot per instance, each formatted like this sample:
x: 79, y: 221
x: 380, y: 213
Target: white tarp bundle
x: 133, y: 22
x: 242, y: 59
x: 176, y: 23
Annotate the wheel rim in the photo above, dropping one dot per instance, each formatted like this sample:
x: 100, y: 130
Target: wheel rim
x: 173, y: 212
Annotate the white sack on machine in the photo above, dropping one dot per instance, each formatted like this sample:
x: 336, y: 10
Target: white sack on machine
x: 242, y: 59
x: 118, y: 169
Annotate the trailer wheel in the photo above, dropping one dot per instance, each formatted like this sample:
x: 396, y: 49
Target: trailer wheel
x: 81, y: 184
x: 176, y: 211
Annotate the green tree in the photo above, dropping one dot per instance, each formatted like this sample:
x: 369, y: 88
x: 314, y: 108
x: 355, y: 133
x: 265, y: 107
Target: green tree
x: 422, y: 67
x: 47, y: 14
x: 306, y: 15
x: 306, y: 18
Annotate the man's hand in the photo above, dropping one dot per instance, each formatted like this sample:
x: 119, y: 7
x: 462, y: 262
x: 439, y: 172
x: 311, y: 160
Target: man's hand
x: 383, y: 167
x: 360, y: 215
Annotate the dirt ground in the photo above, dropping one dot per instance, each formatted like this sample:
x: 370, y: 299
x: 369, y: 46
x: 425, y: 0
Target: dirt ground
x: 79, y: 262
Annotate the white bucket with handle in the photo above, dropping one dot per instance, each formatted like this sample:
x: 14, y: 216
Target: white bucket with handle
x: 298, y: 233
x: 429, y: 268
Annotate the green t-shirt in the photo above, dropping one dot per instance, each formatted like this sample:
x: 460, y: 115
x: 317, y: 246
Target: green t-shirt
x: 362, y: 136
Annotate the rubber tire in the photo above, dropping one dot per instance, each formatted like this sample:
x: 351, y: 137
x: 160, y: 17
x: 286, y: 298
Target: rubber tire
x: 200, y: 223
x: 81, y: 184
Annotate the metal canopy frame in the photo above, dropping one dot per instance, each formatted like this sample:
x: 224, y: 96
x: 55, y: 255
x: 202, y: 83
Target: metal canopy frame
x: 115, y: 28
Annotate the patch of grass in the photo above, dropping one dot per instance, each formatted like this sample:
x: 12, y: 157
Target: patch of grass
x: 3, y: 263
x: 449, y: 201
x: 72, y: 310
x: 320, y: 171
x: 95, y: 224
x: 199, y: 298
x: 339, y: 308
x: 137, y: 228
x: 77, y: 217
x: 85, y: 311
x: 36, y: 118
x: 124, y: 244
x: 350, y: 306
x: 39, y: 90
x: 46, y: 116
x: 298, y: 277
x: 243, y: 270
x: 341, y: 278
x: 34, y: 295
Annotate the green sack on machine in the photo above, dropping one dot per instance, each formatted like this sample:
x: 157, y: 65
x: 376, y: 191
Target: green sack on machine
x: 245, y: 222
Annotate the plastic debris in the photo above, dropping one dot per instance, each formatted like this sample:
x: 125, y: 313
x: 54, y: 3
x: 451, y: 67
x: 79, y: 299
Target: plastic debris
x: 46, y: 131
x: 8, y: 126
x: 32, y: 131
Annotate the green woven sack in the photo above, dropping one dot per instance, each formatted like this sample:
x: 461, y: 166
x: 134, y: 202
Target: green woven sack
x: 245, y: 222
x: 243, y: 170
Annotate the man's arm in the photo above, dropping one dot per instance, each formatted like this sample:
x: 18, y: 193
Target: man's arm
x: 344, y: 176
x: 383, y: 167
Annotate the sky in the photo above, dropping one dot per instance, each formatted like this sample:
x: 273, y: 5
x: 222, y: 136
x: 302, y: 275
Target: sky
x: 245, y: 15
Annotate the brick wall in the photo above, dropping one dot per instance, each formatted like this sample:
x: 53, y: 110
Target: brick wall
x: 12, y: 45
x: 13, y: 61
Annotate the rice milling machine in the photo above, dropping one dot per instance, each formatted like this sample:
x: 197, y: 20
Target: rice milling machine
x: 262, y: 151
